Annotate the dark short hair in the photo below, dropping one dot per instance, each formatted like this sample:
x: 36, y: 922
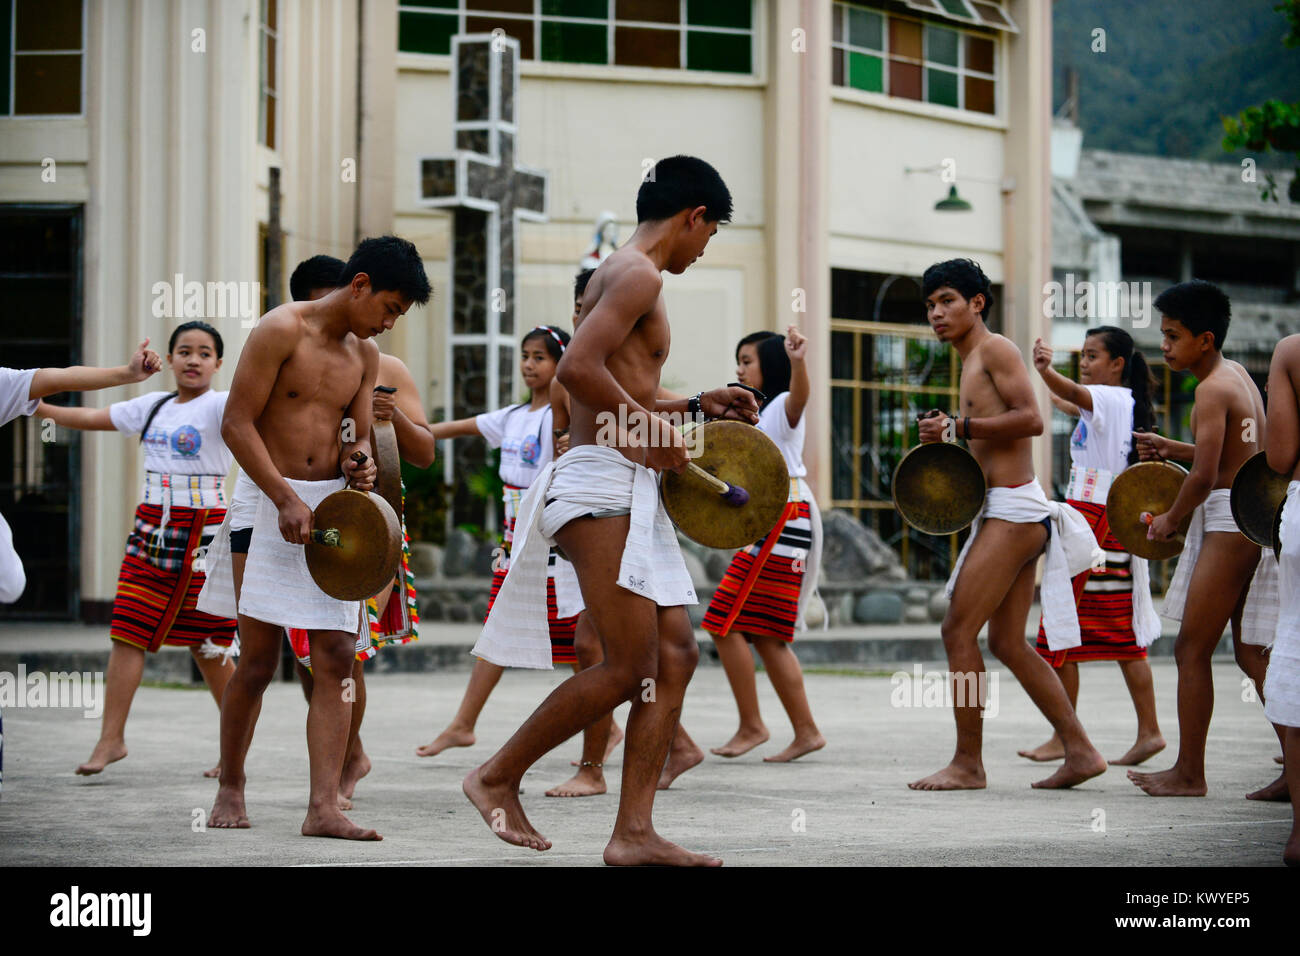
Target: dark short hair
x: 580, y: 282
x: 773, y: 362
x: 1200, y: 306
x: 682, y: 182
x: 393, y: 264
x: 318, y: 272
x: 964, y: 275
x: 195, y: 326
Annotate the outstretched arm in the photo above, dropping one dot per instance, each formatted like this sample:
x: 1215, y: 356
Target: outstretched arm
x: 460, y: 428
x: 84, y: 378
x: 81, y: 419
x: 1060, y: 386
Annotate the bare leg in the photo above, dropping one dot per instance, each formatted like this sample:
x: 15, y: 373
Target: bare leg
x: 217, y: 672
x: 333, y: 654
x: 1007, y: 641
x: 1291, y: 754
x: 356, y: 764
x: 589, y: 781
x: 1253, y: 661
x: 1223, y: 569
x: 125, y: 667
x: 738, y: 663
x: 259, y: 657
x: 787, y: 680
x: 460, y: 732
x: 683, y: 754
x: 1054, y: 749
x: 1137, y: 675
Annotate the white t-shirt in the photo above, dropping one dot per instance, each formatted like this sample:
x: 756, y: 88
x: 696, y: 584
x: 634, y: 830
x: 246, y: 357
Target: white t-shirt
x: 184, y: 438
x: 524, y: 437
x: 776, y: 426
x: 1104, y: 436
x: 15, y: 386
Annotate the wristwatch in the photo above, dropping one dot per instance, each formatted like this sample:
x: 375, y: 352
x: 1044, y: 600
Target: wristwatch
x: 693, y: 405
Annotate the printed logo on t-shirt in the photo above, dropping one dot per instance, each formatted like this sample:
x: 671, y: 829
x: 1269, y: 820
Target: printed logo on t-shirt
x: 530, y: 449
x: 1080, y: 437
x: 186, y: 441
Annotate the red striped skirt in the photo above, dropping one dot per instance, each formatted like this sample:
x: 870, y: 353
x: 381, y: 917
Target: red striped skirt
x: 562, y: 628
x: 1105, y: 603
x: 156, y: 605
x: 759, y: 594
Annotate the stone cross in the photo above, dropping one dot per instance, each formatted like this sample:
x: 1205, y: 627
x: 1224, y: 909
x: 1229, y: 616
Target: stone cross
x: 488, y: 193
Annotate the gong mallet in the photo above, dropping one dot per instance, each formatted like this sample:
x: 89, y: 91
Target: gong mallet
x: 733, y: 495
x: 330, y: 537
x: 1147, y: 517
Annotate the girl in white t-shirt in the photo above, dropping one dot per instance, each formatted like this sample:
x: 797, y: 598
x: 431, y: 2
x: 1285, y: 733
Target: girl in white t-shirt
x: 1111, y: 400
x: 524, y: 435
x: 763, y: 592
x: 182, y: 505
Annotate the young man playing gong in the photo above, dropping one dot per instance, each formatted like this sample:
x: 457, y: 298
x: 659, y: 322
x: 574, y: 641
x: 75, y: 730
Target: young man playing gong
x: 993, y: 581
x: 599, y: 503
x: 306, y: 369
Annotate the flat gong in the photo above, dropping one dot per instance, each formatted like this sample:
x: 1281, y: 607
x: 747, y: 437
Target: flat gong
x: 388, y: 462
x: 1257, y: 493
x: 741, y: 455
x: 939, y: 488
x: 1148, y: 487
x: 368, y: 548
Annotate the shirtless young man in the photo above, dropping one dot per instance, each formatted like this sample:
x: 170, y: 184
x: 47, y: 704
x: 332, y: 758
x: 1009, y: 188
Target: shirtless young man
x: 994, y: 578
x: 306, y: 368
x: 1216, y: 568
x: 1282, y: 685
x: 600, y: 505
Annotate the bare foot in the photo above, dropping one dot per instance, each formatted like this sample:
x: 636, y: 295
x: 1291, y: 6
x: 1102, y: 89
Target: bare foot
x: 587, y: 782
x: 103, y: 755
x: 1169, y: 783
x: 329, y: 822
x: 502, y: 811
x: 228, y: 811
x: 1275, y: 792
x: 615, y: 738
x: 445, y: 740
x: 1052, y: 750
x: 653, y: 850
x: 344, y: 803
x: 743, y: 742
x: 1291, y: 853
x: 1144, y: 749
x: 353, y: 770
x: 214, y: 772
x: 1076, y: 769
x: 952, y: 777
x: 679, y: 761
x: 797, y: 749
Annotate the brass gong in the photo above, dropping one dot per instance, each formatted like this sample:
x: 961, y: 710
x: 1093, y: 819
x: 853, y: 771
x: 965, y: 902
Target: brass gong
x: 356, y: 545
x: 939, y: 488
x: 388, y: 463
x: 1147, y: 488
x: 1257, y: 493
x: 743, y: 457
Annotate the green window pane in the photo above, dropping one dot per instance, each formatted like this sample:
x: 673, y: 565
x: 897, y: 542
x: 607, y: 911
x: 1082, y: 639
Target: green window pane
x: 942, y: 87
x: 720, y: 13
x: 441, y: 4
x: 865, y: 28
x: 6, y: 41
x: 592, y: 9
x: 726, y: 52
x: 957, y: 8
x: 941, y: 45
x: 575, y: 42
x: 866, y: 73
x: 425, y: 32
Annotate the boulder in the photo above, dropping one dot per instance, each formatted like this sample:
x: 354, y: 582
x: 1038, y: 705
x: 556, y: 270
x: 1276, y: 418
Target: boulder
x: 458, y: 556
x: 426, y: 559
x: 716, y: 564
x: 481, y: 566
x: 851, y: 551
x: 878, y: 607
x: 915, y: 614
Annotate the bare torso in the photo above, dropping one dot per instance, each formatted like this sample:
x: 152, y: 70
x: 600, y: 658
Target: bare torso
x: 1005, y: 461
x: 1243, y: 419
x: 302, y: 422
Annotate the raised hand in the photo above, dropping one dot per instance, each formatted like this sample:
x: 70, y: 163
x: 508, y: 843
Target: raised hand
x: 796, y: 344
x: 1042, y: 355
x: 144, y: 362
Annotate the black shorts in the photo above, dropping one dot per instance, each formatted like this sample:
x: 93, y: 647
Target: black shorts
x: 240, y: 539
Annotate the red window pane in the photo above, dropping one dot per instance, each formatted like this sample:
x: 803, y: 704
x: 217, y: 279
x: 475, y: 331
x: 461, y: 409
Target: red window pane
x: 46, y: 24
x: 905, y: 39
x: 979, y: 54
x: 47, y: 83
x: 645, y: 46
x: 980, y: 95
x: 648, y: 11
x: 905, y: 80
x: 501, y: 6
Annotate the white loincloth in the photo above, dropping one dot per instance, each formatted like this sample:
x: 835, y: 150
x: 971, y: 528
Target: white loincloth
x: 586, y: 479
x: 278, y: 588
x: 1259, y: 617
x: 218, y: 593
x: 1071, y: 549
x: 1282, y: 682
x: 568, y: 595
